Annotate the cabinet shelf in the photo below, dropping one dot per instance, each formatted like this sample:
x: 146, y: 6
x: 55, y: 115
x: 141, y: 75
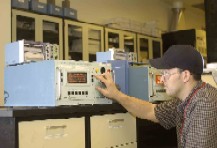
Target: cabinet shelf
x: 74, y: 38
x: 25, y: 34
x: 94, y: 39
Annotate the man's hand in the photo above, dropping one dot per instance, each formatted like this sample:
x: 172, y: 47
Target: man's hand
x: 110, y: 91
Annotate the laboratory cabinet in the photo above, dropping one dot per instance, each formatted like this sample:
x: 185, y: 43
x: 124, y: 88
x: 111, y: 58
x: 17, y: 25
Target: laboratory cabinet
x: 120, y: 39
x: 82, y: 40
x: 80, y: 126
x: 52, y: 127
x: 52, y: 133
x: 37, y: 27
x: 148, y: 48
x: 113, y: 130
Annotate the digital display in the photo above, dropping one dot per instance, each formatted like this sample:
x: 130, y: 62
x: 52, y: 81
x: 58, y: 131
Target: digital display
x: 158, y: 79
x: 76, y: 77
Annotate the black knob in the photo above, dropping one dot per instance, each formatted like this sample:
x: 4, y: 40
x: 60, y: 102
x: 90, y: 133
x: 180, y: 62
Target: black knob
x: 102, y: 70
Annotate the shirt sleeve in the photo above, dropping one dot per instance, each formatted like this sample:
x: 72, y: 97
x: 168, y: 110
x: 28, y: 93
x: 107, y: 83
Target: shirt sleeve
x: 166, y: 113
x: 202, y: 131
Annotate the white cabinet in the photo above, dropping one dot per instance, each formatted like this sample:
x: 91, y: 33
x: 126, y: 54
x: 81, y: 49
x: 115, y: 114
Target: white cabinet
x: 35, y: 27
x: 113, y: 130
x: 82, y: 40
x: 52, y: 133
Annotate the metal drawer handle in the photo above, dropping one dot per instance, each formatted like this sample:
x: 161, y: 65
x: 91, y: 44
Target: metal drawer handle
x: 55, y: 132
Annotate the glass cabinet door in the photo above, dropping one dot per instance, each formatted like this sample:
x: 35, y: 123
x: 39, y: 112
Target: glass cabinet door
x: 51, y: 32
x: 129, y: 41
x: 73, y: 41
x: 120, y: 39
x: 112, y: 39
x: 144, y: 52
x: 34, y: 27
x: 23, y: 26
x: 95, y: 41
x: 157, y: 48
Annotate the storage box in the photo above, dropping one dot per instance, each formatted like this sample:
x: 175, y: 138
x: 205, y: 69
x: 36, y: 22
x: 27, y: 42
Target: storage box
x: 70, y: 13
x: 54, y: 10
x: 37, y: 6
x: 24, y: 4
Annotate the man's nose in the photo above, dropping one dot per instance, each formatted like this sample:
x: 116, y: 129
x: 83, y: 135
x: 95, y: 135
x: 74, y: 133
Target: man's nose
x: 162, y: 79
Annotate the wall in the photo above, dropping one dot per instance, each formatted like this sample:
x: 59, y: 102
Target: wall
x: 98, y: 11
x: 192, y: 18
x: 5, y: 37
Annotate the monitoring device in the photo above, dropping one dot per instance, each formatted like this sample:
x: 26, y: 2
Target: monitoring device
x: 54, y: 83
x: 28, y: 51
x: 145, y: 83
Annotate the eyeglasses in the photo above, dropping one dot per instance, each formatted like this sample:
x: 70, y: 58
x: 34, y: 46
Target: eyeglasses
x: 167, y: 75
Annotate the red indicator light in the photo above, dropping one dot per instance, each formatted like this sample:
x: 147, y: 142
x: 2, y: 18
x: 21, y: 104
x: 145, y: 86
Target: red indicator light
x: 158, y: 79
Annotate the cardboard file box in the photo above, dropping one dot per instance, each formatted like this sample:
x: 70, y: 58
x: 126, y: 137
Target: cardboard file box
x: 37, y: 6
x: 24, y: 4
x: 70, y: 13
x: 54, y: 10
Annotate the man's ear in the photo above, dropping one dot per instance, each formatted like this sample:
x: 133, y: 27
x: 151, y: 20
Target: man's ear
x: 186, y: 75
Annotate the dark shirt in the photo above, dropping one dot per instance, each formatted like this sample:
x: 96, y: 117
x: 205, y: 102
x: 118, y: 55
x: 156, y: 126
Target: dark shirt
x: 195, y: 118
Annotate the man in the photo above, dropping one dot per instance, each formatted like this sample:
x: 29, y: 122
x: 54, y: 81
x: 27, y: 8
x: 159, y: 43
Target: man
x: 193, y: 109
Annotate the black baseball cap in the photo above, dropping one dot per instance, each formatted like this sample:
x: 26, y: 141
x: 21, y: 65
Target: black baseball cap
x: 185, y: 57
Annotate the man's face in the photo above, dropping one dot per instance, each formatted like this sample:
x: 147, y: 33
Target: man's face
x: 172, y: 81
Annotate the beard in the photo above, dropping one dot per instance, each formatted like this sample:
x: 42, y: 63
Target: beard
x: 171, y: 92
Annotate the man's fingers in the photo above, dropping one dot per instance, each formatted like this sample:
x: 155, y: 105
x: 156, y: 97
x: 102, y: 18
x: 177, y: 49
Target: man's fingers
x: 100, y: 77
x: 107, y: 76
x: 101, y: 90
